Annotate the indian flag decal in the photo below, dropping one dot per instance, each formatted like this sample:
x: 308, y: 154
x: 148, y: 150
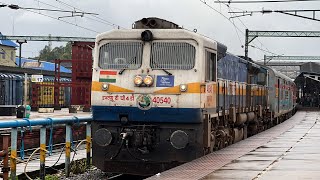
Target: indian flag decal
x: 108, y: 76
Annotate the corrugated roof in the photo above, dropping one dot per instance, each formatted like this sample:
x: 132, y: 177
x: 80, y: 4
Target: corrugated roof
x: 7, y: 42
x: 48, y: 66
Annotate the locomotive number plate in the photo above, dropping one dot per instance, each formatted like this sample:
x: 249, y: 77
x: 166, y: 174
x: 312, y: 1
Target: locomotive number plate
x: 161, y: 100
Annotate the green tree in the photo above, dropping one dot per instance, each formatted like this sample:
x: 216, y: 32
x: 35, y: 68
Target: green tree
x: 61, y: 52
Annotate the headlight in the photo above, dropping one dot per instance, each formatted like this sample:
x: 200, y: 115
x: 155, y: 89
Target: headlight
x: 138, y: 80
x: 148, y: 80
x: 105, y: 86
x: 183, y: 87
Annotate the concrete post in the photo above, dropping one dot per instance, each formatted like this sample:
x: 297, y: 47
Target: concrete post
x: 42, y: 152
x: 68, y: 149
x: 88, y: 147
x: 5, y: 145
x: 13, y: 157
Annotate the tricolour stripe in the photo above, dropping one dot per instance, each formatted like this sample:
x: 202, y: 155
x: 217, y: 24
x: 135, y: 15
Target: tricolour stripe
x: 108, y: 72
x: 107, y: 76
x: 107, y: 80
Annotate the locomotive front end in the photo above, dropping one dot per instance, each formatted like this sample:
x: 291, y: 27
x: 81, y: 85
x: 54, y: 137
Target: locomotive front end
x: 146, y: 103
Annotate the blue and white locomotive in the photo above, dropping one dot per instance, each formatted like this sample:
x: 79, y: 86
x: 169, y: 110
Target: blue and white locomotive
x: 162, y: 96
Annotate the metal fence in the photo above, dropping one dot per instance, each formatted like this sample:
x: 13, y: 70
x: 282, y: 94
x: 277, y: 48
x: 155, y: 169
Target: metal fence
x: 45, y: 124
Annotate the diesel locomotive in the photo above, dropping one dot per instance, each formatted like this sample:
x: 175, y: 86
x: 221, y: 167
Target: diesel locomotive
x: 163, y: 95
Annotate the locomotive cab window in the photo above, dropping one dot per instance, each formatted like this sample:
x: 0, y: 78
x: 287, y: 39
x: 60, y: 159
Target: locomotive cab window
x: 121, y: 55
x: 210, y: 59
x: 172, y: 55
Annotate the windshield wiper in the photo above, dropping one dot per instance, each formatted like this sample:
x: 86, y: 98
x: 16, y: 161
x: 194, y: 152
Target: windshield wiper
x: 122, y: 70
x: 167, y: 72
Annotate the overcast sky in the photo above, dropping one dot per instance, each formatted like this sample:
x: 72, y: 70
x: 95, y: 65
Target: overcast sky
x: 191, y: 14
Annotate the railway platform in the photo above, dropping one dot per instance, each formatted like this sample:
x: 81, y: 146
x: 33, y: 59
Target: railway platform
x: 290, y: 150
x: 64, y: 112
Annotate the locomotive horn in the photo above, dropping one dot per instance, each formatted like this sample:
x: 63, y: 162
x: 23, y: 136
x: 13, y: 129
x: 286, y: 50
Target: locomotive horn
x: 144, y: 21
x: 153, y: 23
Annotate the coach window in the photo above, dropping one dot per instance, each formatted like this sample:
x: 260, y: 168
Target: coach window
x: 210, y: 66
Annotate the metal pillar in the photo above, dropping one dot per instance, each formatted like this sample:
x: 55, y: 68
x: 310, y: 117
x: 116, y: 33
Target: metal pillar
x: 20, y: 46
x: 68, y: 149
x: 42, y: 152
x: 13, y: 157
x: 88, y: 147
x: 246, y: 45
x: 25, y: 88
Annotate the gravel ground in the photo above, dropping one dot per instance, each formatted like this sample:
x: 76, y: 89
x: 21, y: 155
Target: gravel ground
x: 96, y: 174
x: 93, y: 174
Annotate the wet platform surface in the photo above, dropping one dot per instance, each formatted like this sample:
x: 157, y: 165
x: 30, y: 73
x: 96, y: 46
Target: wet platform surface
x: 295, y: 154
x: 290, y: 150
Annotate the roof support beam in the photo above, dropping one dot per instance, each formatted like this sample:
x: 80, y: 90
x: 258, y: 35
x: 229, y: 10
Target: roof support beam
x: 267, y: 59
x: 251, y: 35
x: 48, y: 38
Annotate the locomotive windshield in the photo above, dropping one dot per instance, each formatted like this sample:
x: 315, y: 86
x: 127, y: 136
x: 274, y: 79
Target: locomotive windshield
x: 121, y: 55
x: 172, y: 55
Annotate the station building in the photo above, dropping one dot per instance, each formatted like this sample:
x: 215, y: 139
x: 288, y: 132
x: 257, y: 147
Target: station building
x: 7, y: 52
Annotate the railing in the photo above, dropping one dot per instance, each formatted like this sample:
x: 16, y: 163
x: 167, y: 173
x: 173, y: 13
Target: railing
x: 44, y: 123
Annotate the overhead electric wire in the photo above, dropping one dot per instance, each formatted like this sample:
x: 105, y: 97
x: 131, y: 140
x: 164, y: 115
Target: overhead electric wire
x: 267, y: 50
x: 65, y: 21
x: 263, y: 50
x: 106, y: 21
x: 235, y: 28
x: 59, y: 19
x: 109, y: 24
x: 204, y: 2
x: 264, y: 1
x: 286, y: 12
x: 56, y: 10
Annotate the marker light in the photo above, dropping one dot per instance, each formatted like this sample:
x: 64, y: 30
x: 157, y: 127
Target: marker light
x: 183, y: 87
x: 105, y: 86
x: 148, y: 80
x: 138, y: 80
